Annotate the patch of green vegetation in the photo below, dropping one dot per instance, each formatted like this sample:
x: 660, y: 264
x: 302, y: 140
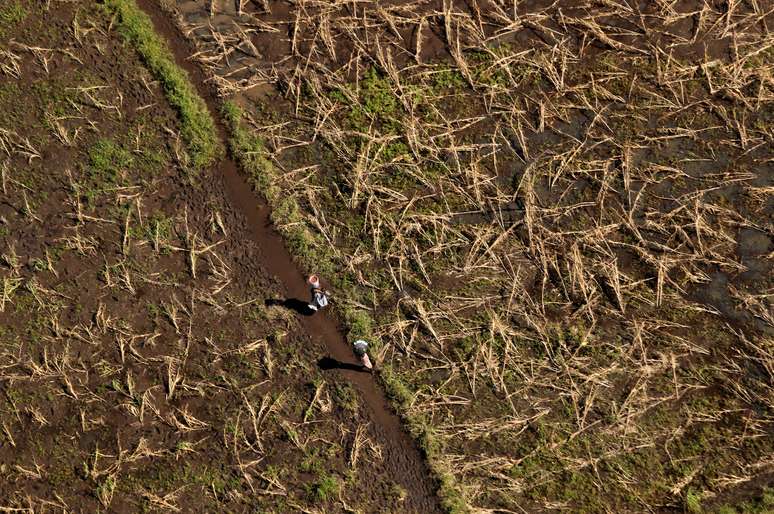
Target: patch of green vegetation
x: 377, y: 95
x: 394, y: 151
x: 153, y: 160
x: 218, y: 480
x: 693, y: 502
x: 149, y: 143
x: 338, y: 95
x: 197, y: 126
x: 11, y: 107
x: 250, y: 151
x: 397, y: 390
x: 360, y: 325
x: 11, y: 15
x: 61, y: 474
x: 464, y: 348
x: 531, y: 465
x: 105, y: 490
x: 166, y: 475
x: 345, y: 396
x: 324, y: 488
x: 448, y: 78
x: 56, y: 96
x: 314, y: 461
x: 18, y: 397
x: 107, y: 159
x: 160, y: 227
x: 241, y: 367
x: 377, y: 103
x: 398, y: 493
x: 760, y: 504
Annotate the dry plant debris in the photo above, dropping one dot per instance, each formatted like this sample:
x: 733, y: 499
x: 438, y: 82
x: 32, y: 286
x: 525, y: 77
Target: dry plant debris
x: 140, y: 369
x: 559, y: 214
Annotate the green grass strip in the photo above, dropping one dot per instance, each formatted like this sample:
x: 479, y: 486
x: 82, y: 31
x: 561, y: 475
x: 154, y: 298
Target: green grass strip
x: 401, y: 397
x: 197, y: 126
x: 310, y: 251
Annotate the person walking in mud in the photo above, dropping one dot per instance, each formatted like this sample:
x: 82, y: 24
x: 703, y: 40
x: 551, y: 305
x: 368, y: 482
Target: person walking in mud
x: 360, y: 348
x: 319, y: 295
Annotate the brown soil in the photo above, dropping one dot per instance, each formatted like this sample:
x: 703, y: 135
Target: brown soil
x: 90, y: 420
x: 697, y: 339
x: 403, y: 457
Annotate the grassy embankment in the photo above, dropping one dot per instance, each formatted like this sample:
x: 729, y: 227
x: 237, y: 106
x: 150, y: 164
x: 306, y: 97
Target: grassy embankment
x: 286, y: 215
x: 199, y: 134
x: 197, y: 126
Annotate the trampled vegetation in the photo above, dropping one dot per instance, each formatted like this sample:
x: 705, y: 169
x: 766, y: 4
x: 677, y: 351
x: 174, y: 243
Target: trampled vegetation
x: 551, y: 220
x: 140, y: 367
x: 554, y: 222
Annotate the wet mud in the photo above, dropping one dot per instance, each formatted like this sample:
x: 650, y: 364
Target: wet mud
x: 259, y: 56
x: 402, y: 457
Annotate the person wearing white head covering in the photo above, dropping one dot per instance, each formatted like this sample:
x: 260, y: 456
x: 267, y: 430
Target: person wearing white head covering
x: 319, y: 295
x: 360, y: 348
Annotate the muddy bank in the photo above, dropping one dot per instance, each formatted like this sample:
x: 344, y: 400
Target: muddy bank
x: 402, y: 457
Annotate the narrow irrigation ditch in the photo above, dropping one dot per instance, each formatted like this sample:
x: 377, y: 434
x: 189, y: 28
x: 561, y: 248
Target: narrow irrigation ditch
x: 401, y: 454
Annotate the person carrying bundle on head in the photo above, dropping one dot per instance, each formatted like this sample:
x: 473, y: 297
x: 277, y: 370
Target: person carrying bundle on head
x: 360, y: 348
x: 319, y: 295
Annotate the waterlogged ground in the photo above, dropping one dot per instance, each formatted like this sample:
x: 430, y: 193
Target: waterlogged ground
x: 140, y: 367
x: 558, y: 217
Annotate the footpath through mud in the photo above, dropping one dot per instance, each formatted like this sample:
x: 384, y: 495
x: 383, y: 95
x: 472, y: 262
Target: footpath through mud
x: 402, y: 456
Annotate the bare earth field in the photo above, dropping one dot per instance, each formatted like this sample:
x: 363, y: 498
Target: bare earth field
x: 141, y: 368
x: 553, y: 220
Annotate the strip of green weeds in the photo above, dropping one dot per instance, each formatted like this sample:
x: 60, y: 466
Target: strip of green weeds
x: 401, y: 397
x: 197, y: 126
x: 312, y: 254
x: 11, y: 15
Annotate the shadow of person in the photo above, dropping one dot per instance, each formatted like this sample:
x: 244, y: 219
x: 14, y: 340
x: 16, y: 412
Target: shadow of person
x: 294, y: 304
x: 328, y: 363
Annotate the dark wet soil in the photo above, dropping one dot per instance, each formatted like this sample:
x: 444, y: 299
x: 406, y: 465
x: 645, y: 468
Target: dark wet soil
x: 543, y: 24
x: 402, y: 455
x: 87, y: 419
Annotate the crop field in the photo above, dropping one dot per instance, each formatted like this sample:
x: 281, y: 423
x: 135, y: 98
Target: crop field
x: 553, y: 220
x: 141, y: 367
